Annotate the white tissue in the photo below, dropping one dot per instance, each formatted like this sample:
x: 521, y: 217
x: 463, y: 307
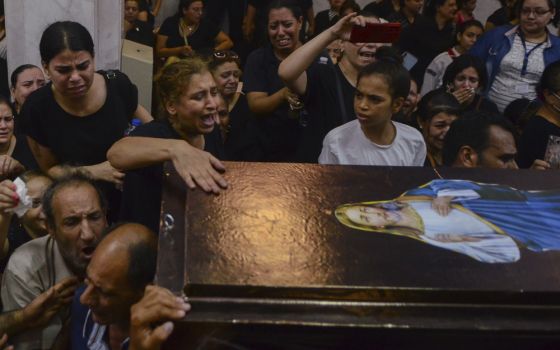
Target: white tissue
x: 25, y: 201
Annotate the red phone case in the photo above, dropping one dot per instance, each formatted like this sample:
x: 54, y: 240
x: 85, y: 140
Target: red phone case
x: 376, y: 33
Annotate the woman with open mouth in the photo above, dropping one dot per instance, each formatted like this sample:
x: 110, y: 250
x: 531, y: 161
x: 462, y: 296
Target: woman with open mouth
x: 276, y: 108
x: 328, y: 89
x: 436, y: 111
x: 190, y: 97
x: 74, y: 119
x: 238, y: 134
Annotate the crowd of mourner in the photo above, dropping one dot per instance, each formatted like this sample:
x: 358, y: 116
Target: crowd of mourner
x: 81, y: 161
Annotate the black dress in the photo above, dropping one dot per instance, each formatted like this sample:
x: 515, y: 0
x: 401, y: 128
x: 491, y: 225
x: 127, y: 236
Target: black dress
x: 534, y: 140
x: 142, y: 188
x: 78, y: 141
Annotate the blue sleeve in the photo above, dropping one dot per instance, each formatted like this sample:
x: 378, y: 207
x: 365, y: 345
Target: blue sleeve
x: 432, y: 188
x: 482, y: 46
x: 78, y: 318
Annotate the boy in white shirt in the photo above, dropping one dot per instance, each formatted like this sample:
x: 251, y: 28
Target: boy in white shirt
x: 373, y: 138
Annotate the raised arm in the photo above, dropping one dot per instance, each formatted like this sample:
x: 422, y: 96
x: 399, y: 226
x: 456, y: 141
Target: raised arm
x: 292, y: 69
x: 222, y: 42
x: 195, y: 166
x: 249, y: 23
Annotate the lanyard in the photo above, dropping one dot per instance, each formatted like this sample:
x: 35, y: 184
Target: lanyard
x: 527, y: 53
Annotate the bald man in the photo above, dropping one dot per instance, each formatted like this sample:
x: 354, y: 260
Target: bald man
x: 121, y: 267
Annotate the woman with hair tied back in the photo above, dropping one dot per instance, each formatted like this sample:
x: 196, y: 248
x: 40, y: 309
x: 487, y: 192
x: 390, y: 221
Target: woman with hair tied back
x: 24, y: 80
x: 73, y: 120
x: 374, y: 138
x: 436, y: 111
x: 327, y: 89
x: 275, y: 107
x: 190, y: 97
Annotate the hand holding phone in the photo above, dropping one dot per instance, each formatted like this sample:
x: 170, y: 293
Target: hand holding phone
x: 376, y: 33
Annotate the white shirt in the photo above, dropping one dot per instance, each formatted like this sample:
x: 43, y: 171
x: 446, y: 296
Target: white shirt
x: 30, y: 272
x: 348, y: 145
x: 509, y: 84
x: 473, y: 236
x: 433, y: 77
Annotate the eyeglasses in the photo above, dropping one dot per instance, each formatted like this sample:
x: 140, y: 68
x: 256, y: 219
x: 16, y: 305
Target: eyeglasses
x: 221, y: 55
x: 538, y: 12
x: 7, y: 118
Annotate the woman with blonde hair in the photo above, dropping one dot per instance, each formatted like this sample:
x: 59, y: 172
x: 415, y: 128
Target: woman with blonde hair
x: 190, y: 97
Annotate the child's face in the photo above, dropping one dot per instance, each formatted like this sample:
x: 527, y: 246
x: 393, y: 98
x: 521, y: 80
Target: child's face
x: 373, y: 103
x: 467, y: 39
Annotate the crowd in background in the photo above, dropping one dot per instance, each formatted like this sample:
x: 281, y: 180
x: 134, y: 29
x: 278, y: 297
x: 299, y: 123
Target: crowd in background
x: 278, y: 84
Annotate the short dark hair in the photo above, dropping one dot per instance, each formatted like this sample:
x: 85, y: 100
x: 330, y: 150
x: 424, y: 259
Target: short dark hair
x: 462, y: 27
x: 519, y: 5
x: 292, y: 5
x: 353, y: 6
x: 435, y: 102
x: 15, y: 74
x: 472, y: 130
x: 550, y: 79
x: 5, y: 101
x: 431, y: 6
x: 461, y: 63
x: 73, y: 179
x: 394, y: 74
x: 65, y: 35
x: 388, y: 53
x: 184, y: 5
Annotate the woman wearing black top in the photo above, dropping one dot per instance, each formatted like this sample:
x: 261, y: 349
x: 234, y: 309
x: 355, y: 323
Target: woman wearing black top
x: 15, y: 156
x: 429, y: 35
x: 502, y: 16
x: 190, y: 97
x: 188, y: 31
x: 73, y: 120
x: 238, y: 131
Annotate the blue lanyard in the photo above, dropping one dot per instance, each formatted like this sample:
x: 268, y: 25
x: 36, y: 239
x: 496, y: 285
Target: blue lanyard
x: 527, y: 53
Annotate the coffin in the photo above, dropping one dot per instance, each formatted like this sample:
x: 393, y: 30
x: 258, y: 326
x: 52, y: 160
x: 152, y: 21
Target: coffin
x: 267, y: 265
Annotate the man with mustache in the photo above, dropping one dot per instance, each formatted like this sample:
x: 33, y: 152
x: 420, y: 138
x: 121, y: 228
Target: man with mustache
x: 75, y: 210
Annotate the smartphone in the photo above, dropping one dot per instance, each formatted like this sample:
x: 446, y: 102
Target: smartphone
x: 376, y: 33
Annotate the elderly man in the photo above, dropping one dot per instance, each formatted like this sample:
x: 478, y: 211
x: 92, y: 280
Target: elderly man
x: 75, y: 211
x: 121, y: 267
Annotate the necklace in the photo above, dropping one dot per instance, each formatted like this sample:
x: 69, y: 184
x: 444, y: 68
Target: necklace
x: 185, y: 30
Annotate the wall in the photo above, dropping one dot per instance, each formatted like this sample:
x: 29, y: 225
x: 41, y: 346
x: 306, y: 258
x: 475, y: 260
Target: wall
x: 26, y: 20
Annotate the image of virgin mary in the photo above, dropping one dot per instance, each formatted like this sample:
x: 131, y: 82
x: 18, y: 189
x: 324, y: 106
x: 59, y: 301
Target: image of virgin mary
x: 487, y: 222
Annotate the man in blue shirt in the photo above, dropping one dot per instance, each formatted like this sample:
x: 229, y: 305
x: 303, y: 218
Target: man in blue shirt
x: 122, y: 266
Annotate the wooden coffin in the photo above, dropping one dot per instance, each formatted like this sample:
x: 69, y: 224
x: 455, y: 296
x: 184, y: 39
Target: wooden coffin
x: 266, y: 265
